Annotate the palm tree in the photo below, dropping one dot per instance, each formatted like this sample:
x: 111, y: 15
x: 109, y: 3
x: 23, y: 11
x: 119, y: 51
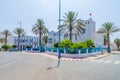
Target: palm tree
x: 105, y: 40
x: 19, y: 32
x: 6, y: 33
x: 45, y: 39
x: 107, y: 29
x: 71, y: 24
x: 39, y: 28
x: 117, y: 43
x: 65, y: 35
x: 1, y: 40
x: 35, y: 43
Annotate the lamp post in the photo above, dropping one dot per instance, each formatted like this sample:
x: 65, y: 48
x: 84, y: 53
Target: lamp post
x: 59, y: 54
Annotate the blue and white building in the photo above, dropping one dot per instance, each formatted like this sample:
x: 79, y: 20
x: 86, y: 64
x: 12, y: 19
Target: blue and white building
x: 27, y: 40
x: 88, y: 33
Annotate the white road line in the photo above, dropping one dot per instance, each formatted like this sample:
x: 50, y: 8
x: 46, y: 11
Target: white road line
x: 5, y: 65
x: 108, y: 61
x: 116, y: 62
x: 99, y: 61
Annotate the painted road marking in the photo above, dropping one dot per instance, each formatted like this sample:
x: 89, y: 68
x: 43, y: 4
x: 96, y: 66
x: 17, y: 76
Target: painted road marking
x: 117, y: 62
x: 8, y: 64
x: 108, y: 61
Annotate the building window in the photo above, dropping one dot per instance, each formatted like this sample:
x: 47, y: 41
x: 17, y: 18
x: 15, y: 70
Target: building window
x: 50, y: 40
x: 31, y: 40
x: 54, y: 34
x: 88, y: 22
x: 23, y: 40
x: 26, y: 40
x: 83, y: 31
x: 75, y: 36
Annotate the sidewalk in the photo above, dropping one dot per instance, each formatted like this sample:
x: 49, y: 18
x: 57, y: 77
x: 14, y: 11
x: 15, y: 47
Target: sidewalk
x: 71, y: 59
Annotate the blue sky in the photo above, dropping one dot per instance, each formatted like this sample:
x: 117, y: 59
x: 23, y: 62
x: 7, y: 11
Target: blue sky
x: 28, y: 11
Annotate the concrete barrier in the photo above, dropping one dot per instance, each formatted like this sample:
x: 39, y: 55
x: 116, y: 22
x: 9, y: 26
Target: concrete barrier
x: 74, y: 55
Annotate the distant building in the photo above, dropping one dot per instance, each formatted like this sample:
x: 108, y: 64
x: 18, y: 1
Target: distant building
x: 27, y: 40
x: 88, y: 33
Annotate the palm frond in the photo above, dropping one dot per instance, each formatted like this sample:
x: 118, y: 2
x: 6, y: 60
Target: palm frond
x: 70, y: 22
x: 19, y: 32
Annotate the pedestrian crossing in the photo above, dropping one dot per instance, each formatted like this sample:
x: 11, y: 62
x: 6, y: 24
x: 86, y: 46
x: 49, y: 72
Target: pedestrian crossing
x: 105, y: 61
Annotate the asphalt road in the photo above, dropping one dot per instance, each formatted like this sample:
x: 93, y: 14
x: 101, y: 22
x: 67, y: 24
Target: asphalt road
x: 17, y: 66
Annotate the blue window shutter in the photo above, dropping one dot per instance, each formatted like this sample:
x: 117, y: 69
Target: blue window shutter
x: 83, y: 31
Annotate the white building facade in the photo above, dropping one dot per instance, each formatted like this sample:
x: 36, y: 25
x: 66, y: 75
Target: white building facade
x: 88, y: 33
x: 52, y: 38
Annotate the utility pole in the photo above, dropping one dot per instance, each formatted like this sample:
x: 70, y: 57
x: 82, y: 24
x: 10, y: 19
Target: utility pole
x: 59, y: 54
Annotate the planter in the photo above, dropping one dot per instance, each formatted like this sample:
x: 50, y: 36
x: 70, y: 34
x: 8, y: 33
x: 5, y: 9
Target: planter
x: 29, y: 49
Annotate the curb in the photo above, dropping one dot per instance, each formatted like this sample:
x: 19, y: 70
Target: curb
x: 69, y: 59
x: 103, y: 56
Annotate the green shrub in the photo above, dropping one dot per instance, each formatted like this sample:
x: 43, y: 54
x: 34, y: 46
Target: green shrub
x: 28, y: 46
x: 79, y: 45
x: 74, y: 46
x: 68, y: 44
x: 35, y: 43
x: 14, y: 46
x: 90, y: 43
x: 82, y: 45
x: 56, y: 45
x: 65, y: 43
x: 6, y: 47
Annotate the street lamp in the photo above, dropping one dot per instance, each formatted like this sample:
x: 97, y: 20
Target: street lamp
x: 59, y: 54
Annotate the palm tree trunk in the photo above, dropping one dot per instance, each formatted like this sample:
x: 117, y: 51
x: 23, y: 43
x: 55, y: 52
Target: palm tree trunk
x: 105, y: 42
x: 118, y: 46
x: 108, y: 38
x: 18, y: 43
x: 39, y: 37
x: 6, y: 39
x: 70, y: 34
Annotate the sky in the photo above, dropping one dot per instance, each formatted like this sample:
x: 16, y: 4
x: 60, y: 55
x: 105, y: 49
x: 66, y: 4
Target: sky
x: 28, y: 11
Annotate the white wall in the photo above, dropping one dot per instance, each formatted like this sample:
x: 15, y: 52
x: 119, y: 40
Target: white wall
x: 54, y: 36
x: 10, y: 40
x: 90, y: 33
x: 99, y: 40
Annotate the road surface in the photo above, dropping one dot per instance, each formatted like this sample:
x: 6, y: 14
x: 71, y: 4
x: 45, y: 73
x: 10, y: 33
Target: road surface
x: 19, y: 66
